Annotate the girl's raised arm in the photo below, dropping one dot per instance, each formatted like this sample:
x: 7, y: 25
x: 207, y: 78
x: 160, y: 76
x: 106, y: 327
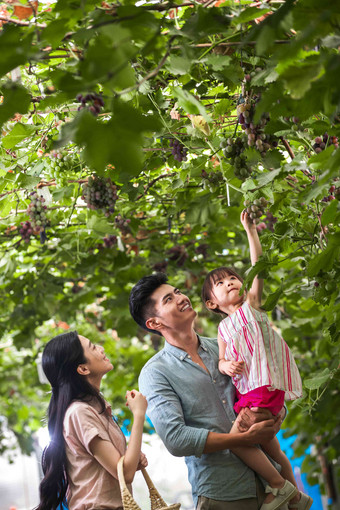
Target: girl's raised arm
x: 254, y: 295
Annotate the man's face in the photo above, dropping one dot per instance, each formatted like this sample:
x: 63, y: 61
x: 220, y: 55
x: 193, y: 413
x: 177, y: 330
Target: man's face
x: 172, y: 308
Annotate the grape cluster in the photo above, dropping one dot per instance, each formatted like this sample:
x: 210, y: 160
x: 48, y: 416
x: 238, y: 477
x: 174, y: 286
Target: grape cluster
x: 211, y: 180
x: 233, y: 148
x: 122, y: 224
x: 37, y: 212
x: 267, y: 223
x: 160, y: 267
x: 178, y: 150
x: 256, y: 208
x: 334, y: 193
x: 248, y: 77
x: 60, y: 163
x: 110, y: 241
x: 202, y: 249
x: 255, y: 134
x: 322, y: 142
x: 26, y: 231
x: 178, y: 254
x: 93, y: 102
x: 100, y: 193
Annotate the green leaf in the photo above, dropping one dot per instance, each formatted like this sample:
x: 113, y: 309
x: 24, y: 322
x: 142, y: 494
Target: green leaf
x: 318, y: 379
x: 16, y: 100
x: 178, y: 65
x: 217, y: 62
x: 249, y: 14
x: 323, y: 261
x: 292, y: 77
x: 329, y: 214
x: 27, y: 181
x: 189, y: 103
x: 265, y: 40
x: 268, y: 177
x: 18, y: 133
x: 273, y: 299
x: 99, y: 225
x: 15, y: 49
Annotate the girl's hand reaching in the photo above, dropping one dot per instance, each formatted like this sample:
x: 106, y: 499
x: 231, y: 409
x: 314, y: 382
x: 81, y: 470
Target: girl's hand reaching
x: 247, y: 222
x: 136, y: 402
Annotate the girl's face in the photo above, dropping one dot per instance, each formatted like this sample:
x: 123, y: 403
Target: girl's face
x: 97, y: 363
x: 225, y: 294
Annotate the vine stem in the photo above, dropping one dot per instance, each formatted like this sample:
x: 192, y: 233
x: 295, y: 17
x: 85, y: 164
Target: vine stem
x: 148, y: 186
x: 22, y: 23
x: 288, y: 147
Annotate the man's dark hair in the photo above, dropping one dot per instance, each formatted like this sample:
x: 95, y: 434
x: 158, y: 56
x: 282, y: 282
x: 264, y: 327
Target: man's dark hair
x: 142, y: 306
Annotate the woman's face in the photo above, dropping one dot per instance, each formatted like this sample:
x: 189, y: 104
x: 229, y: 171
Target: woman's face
x: 96, y: 361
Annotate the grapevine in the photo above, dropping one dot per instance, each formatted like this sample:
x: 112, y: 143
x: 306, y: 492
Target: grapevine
x: 256, y: 208
x: 211, y: 179
x: 178, y: 150
x: 60, y: 163
x: 255, y: 134
x: 100, y: 193
x: 122, y: 224
x: 322, y: 142
x: 110, y: 241
x: 26, y: 231
x: 37, y: 212
x: 92, y: 101
x: 233, y: 149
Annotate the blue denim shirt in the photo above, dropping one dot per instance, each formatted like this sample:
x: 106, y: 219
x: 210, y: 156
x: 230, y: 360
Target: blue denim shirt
x: 185, y: 402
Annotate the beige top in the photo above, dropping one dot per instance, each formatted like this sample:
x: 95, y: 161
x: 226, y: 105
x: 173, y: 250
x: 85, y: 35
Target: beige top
x: 90, y: 485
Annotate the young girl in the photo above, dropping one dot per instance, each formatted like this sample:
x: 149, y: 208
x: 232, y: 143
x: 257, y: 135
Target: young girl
x: 80, y: 463
x: 261, y: 365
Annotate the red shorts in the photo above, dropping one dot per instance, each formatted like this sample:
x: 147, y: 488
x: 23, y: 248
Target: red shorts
x: 261, y: 397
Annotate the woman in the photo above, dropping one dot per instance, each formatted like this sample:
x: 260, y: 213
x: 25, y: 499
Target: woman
x: 80, y: 463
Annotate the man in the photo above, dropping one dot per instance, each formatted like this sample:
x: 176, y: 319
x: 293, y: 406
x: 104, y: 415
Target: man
x: 190, y: 402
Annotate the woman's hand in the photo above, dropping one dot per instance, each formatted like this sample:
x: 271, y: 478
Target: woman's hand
x: 143, y: 461
x: 136, y: 402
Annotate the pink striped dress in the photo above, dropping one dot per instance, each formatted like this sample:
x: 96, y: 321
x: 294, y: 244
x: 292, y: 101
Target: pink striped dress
x: 249, y: 337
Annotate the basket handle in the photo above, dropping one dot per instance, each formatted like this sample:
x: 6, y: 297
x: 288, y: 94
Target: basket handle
x: 156, y: 499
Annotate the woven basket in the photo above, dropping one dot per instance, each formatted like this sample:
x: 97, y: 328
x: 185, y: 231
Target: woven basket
x: 157, y: 503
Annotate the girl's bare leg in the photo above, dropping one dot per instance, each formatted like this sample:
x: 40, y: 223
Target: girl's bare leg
x: 258, y: 462
x: 273, y: 449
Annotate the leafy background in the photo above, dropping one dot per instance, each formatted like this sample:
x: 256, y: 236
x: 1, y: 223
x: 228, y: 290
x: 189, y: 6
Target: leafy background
x: 168, y: 71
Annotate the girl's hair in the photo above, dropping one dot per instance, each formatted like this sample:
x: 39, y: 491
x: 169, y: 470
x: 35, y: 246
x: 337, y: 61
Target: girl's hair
x: 211, y: 279
x: 60, y: 360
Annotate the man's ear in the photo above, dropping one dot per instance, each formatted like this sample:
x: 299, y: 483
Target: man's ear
x: 210, y: 304
x: 154, y: 323
x: 83, y: 369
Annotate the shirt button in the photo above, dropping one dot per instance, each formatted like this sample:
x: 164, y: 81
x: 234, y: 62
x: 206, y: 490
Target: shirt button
x: 189, y: 356
x: 181, y: 358
x: 223, y: 401
x: 214, y: 380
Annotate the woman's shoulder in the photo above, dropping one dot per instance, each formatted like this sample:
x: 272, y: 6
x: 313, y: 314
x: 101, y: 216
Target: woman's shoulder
x: 81, y: 407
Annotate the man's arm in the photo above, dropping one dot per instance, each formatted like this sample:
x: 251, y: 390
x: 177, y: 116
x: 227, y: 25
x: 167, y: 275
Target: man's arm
x: 166, y: 414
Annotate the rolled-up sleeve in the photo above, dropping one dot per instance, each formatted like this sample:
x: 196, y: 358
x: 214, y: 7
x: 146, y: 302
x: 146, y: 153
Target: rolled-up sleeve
x: 166, y: 413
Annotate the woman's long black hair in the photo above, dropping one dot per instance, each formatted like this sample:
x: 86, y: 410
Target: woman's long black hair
x: 60, y: 360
